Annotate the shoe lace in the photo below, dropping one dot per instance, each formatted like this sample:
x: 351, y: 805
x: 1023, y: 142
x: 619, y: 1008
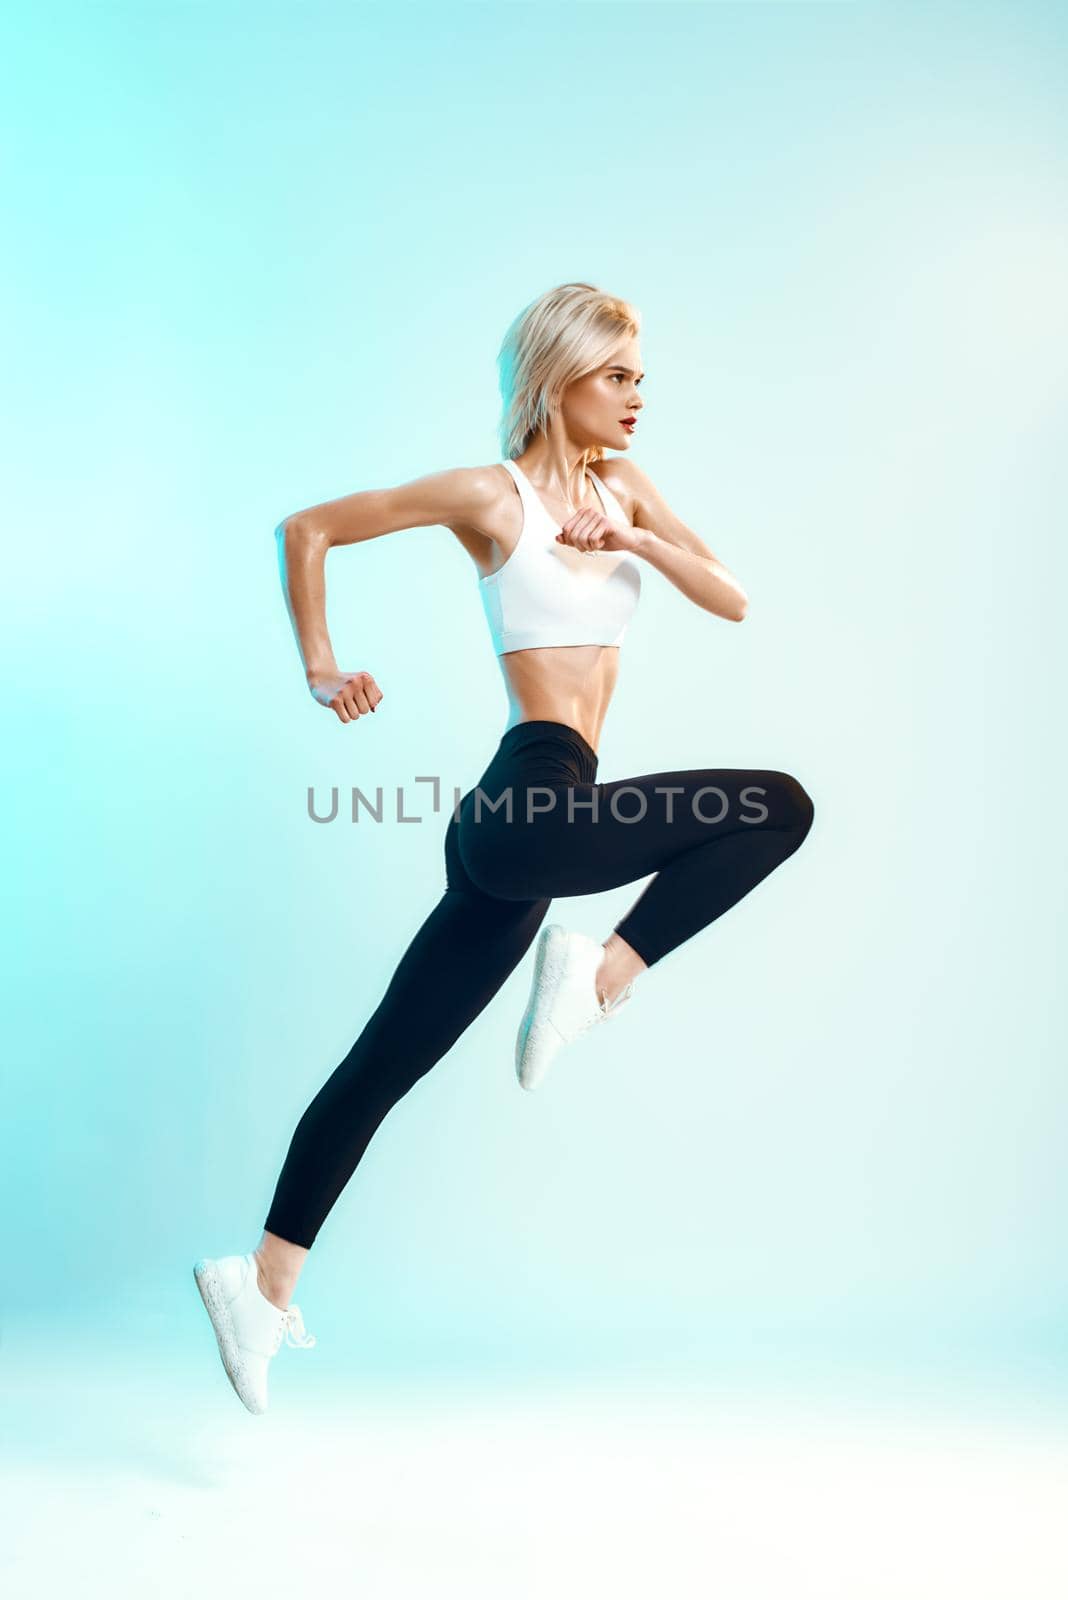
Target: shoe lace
x: 292, y: 1326
x: 605, y: 1009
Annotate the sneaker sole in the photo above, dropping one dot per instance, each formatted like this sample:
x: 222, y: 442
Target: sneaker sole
x: 548, y: 969
x: 208, y: 1282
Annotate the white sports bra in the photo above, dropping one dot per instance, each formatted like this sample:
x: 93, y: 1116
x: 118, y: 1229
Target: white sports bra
x: 548, y: 593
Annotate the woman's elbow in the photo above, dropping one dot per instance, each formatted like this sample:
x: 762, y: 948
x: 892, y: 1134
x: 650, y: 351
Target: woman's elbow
x: 293, y: 528
x: 294, y: 523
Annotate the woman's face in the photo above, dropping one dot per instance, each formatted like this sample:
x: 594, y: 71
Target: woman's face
x: 595, y: 408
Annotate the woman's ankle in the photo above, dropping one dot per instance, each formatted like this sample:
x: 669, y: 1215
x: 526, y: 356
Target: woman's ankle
x: 620, y: 965
x: 275, y: 1286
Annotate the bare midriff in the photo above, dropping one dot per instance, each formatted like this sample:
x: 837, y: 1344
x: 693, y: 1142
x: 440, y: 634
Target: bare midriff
x: 571, y: 683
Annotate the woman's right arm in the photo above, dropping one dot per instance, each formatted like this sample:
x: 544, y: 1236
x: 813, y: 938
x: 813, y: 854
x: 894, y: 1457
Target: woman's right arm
x: 460, y: 494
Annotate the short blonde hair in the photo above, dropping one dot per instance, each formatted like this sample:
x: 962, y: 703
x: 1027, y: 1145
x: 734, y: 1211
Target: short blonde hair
x: 564, y: 334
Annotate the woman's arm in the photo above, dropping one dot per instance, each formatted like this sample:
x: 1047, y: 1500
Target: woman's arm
x: 302, y: 569
x: 303, y: 539
x: 702, y: 579
x: 675, y: 550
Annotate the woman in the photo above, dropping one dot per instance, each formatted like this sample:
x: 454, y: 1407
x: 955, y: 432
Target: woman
x: 559, y: 535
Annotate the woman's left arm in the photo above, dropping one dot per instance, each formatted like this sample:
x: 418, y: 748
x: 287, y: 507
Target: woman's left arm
x: 675, y: 550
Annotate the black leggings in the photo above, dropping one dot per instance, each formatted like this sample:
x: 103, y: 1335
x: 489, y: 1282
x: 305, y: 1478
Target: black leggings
x: 536, y: 825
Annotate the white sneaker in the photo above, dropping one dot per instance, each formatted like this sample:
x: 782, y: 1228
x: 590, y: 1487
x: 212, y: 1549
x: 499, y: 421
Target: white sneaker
x: 563, y: 1002
x: 248, y: 1326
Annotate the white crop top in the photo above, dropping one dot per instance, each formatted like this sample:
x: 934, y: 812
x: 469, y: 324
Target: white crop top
x: 548, y: 593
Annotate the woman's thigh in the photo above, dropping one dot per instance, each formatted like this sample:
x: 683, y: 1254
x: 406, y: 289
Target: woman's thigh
x: 570, y: 839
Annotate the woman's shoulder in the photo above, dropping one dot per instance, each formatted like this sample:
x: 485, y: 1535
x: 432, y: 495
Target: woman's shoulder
x: 622, y: 479
x: 487, y: 513
x: 473, y: 492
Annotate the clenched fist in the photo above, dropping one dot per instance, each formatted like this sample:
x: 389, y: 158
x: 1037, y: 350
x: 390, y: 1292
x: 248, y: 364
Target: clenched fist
x: 350, y: 694
x: 589, y: 530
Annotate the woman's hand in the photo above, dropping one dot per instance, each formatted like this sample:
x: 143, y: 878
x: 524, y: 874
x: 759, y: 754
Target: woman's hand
x: 591, y: 530
x: 350, y: 694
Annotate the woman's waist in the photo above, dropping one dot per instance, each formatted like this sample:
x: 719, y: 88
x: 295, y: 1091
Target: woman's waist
x: 539, y: 751
x: 568, y: 684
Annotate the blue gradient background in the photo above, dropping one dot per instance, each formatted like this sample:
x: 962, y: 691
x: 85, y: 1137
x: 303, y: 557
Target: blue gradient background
x: 260, y: 257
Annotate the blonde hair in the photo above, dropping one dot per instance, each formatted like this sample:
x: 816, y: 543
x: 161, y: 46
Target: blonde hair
x: 564, y: 334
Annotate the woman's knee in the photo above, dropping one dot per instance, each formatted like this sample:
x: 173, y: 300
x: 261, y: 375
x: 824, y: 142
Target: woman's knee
x: 802, y: 807
x: 796, y: 803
